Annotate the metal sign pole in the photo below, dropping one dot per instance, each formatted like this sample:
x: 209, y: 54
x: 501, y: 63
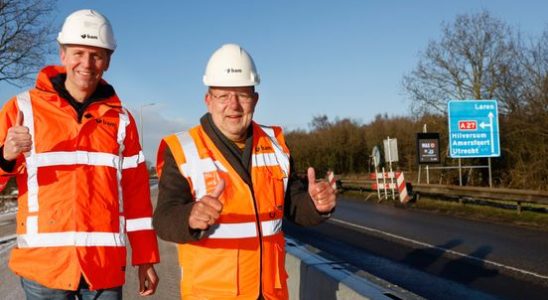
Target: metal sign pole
x: 384, y: 184
x: 424, y: 130
x: 377, y: 178
x: 460, y: 173
x: 490, y: 175
x: 389, y: 153
x: 391, y: 174
x: 378, y: 186
x: 377, y: 161
x: 392, y: 185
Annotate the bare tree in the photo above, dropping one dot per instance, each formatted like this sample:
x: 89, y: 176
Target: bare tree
x: 25, y: 38
x: 480, y: 57
x: 465, y: 64
x: 525, y: 126
x: 320, y: 122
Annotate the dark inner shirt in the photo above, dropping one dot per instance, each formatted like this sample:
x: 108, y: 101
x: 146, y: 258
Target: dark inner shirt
x: 103, y: 91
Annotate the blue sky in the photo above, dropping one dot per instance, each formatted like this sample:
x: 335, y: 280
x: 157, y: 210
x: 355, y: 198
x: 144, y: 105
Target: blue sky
x: 344, y: 59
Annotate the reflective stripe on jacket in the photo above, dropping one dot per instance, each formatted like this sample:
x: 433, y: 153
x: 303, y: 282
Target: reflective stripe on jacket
x: 246, y: 247
x: 82, y: 187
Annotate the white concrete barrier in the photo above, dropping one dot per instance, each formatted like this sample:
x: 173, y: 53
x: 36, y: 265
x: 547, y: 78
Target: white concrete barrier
x: 316, y: 278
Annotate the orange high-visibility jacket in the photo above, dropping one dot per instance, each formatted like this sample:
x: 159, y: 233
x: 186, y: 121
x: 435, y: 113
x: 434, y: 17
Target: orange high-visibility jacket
x: 245, y: 251
x: 82, y: 187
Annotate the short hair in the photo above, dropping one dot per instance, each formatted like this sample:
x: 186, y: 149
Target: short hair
x: 109, y: 52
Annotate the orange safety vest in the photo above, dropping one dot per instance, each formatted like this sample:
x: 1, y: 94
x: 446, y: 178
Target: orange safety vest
x: 245, y: 250
x: 82, y: 187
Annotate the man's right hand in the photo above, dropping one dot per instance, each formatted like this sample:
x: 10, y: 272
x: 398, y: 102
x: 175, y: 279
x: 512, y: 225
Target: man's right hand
x: 18, y: 139
x: 207, y: 210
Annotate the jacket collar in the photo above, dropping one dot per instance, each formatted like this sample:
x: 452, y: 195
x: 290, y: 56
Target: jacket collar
x: 50, y: 77
x: 51, y: 80
x: 238, y: 159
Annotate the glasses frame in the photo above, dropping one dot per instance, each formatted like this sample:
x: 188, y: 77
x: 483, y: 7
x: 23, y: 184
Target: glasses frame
x: 225, y: 97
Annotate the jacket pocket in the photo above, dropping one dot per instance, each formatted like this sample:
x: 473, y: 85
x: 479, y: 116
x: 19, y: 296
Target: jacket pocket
x: 275, y: 276
x: 275, y: 183
x: 215, y: 272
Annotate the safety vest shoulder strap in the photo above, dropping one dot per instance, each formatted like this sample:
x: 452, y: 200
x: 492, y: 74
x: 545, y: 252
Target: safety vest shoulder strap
x: 281, y: 151
x: 275, y: 132
x: 172, y: 143
x: 192, y: 165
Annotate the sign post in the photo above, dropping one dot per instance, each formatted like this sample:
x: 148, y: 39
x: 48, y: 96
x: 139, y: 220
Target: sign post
x: 473, y: 130
x: 428, y: 150
x: 376, y: 154
x: 391, y: 155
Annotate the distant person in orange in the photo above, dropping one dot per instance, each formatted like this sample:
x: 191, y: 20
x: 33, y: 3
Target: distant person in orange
x: 225, y: 186
x: 81, y: 175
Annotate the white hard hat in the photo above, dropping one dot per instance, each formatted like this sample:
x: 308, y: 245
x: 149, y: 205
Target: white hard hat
x: 87, y: 27
x: 231, y: 66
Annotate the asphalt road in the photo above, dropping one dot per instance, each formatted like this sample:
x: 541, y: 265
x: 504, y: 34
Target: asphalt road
x: 432, y: 255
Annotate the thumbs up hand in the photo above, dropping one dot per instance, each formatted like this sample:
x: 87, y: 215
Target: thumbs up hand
x: 207, y: 209
x: 322, y: 192
x: 18, y: 139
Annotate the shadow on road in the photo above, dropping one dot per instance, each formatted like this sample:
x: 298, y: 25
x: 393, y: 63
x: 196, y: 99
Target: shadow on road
x: 466, y: 271
x: 423, y: 258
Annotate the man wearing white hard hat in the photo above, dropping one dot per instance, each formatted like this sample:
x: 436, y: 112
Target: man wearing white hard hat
x: 225, y: 186
x: 82, y: 180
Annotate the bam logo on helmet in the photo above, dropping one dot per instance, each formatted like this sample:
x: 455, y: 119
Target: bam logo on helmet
x: 232, y: 70
x: 85, y: 35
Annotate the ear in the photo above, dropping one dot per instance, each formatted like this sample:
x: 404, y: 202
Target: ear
x: 62, y: 54
x: 108, y: 62
x: 208, y: 101
x: 256, y: 97
x: 207, y: 98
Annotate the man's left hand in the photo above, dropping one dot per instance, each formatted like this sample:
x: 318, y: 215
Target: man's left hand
x: 148, y: 280
x: 321, y: 192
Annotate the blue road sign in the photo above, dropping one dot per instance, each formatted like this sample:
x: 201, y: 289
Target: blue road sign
x: 473, y: 128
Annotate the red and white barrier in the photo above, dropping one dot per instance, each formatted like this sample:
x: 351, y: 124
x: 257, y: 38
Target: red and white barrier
x: 399, y: 185
x: 388, y: 175
x: 376, y: 186
x: 402, y: 189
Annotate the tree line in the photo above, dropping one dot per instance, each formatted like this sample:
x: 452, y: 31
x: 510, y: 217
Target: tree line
x: 345, y: 147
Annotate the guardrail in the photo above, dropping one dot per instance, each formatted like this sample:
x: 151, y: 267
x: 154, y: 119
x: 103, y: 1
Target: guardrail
x: 460, y: 192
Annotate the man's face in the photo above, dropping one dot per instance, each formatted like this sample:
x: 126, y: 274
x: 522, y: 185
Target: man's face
x: 85, y: 66
x: 232, y: 109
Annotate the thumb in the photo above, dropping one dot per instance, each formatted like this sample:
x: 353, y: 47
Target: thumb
x: 311, y: 176
x: 331, y: 180
x: 219, y: 188
x: 19, y: 119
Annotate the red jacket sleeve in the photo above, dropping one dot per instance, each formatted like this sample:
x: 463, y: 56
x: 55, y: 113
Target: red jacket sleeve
x: 8, y: 116
x: 137, y: 202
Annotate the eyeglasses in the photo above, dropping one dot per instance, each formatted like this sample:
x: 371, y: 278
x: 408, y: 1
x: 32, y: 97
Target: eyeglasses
x: 243, y: 98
